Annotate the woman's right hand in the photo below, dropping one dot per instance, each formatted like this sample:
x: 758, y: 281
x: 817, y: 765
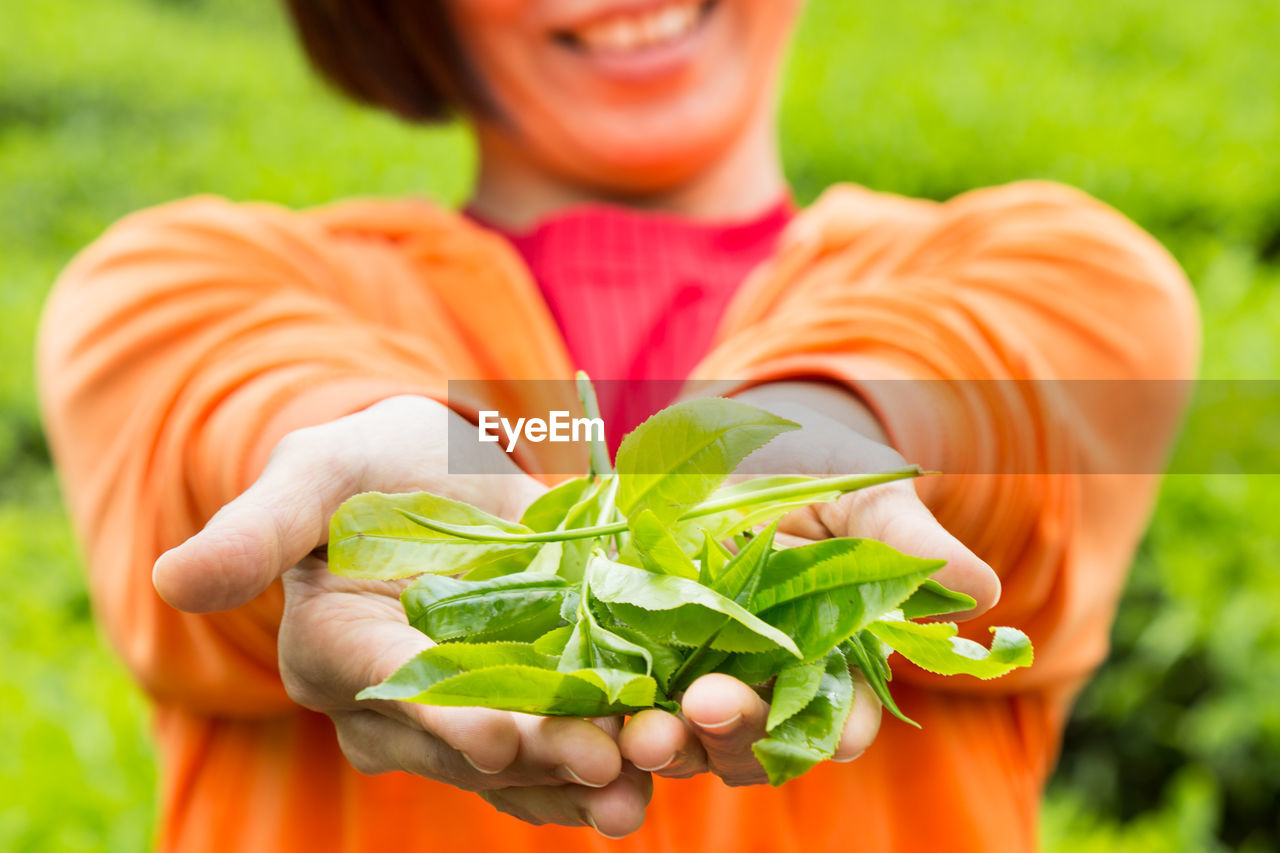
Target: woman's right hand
x: 339, y: 635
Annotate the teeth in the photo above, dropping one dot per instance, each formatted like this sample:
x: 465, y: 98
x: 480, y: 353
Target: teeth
x: 618, y: 34
x: 631, y: 32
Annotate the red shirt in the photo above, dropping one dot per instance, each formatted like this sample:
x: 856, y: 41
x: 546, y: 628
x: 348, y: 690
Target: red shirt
x: 638, y: 295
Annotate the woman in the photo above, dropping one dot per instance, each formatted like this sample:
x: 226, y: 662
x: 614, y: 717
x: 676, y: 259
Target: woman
x: 217, y: 378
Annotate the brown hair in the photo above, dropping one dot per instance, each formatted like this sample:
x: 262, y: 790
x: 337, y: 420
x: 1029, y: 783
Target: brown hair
x: 401, y: 55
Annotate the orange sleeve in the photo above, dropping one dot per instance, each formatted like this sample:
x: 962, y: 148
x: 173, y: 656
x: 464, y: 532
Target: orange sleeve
x: 1031, y: 281
x: 173, y: 354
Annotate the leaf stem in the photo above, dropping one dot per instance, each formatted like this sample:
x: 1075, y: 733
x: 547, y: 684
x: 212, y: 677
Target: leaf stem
x: 794, y: 491
x: 469, y: 532
x: 610, y: 497
x: 599, y: 453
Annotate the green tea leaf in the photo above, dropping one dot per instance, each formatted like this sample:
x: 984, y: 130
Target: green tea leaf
x: 868, y: 654
x: 712, y: 558
x: 691, y: 628
x: 547, y: 561
x: 754, y: 668
x: 697, y: 663
x: 592, y: 646
x: 510, y: 677
x: 548, y: 512
x: 519, y: 607
x: 569, y: 609
x: 656, y: 549
x: 446, y: 661
x: 609, y: 659
x: 820, y: 594
x: 666, y: 660
x: 935, y: 647
x: 934, y: 599
x: 740, y: 578
x: 553, y: 642
x: 737, y: 581
x: 622, y: 688
x: 677, y: 611
x: 877, y: 652
x: 369, y: 537
x: 813, y: 733
x: 796, y: 686
x: 676, y: 458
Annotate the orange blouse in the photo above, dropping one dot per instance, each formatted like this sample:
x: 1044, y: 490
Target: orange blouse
x: 179, y: 348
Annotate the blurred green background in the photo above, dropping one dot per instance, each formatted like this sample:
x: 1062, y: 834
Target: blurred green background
x: 1167, y: 109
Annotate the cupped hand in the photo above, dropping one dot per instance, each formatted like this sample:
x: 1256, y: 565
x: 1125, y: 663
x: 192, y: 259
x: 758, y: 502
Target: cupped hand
x: 339, y: 635
x: 720, y: 716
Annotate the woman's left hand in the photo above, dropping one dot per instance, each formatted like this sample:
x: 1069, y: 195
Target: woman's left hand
x: 722, y: 717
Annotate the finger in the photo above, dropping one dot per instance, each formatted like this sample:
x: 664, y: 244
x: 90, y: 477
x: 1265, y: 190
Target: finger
x: 894, y: 514
x: 614, y: 811
x: 609, y: 725
x: 480, y: 748
x: 797, y: 530
x: 863, y: 724
x: 258, y: 536
x: 396, y: 445
x: 727, y: 717
x: 662, y: 743
x: 523, y: 748
x: 565, y: 749
x: 375, y: 744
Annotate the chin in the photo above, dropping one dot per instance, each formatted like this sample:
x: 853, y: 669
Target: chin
x: 638, y: 157
x: 640, y: 170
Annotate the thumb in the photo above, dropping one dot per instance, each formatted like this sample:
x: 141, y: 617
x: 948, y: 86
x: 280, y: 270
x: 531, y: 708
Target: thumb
x: 258, y: 536
x: 895, y: 515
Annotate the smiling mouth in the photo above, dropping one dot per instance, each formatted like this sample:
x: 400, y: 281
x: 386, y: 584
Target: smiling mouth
x: 635, y: 32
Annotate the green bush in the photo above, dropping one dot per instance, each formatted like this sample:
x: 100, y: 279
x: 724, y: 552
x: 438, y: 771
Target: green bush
x: 77, y: 767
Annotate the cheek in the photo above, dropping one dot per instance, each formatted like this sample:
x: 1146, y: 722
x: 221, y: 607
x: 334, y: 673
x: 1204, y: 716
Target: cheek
x: 497, y: 39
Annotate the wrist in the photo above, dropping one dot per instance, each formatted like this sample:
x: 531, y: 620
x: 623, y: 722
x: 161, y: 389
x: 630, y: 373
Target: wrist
x: 828, y: 399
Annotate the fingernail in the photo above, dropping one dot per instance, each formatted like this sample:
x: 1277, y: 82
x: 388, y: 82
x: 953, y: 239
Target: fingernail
x: 664, y: 765
x: 722, y: 724
x: 566, y: 773
x: 586, y: 818
x: 486, y: 771
x: 853, y: 757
